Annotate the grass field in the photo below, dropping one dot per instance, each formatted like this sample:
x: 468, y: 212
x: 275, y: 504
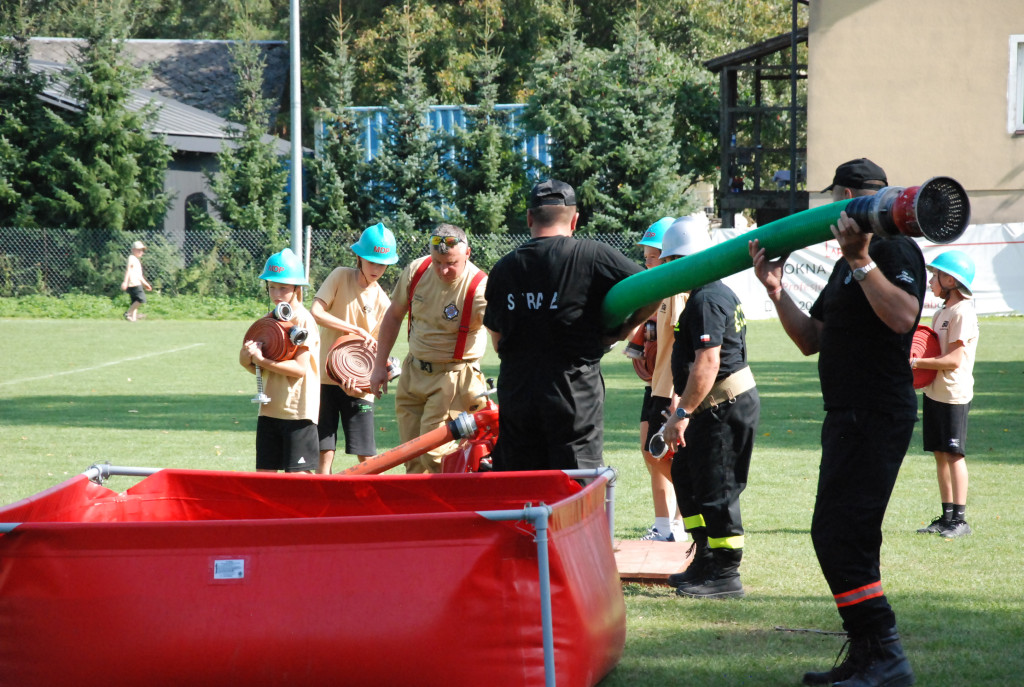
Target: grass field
x: 171, y: 394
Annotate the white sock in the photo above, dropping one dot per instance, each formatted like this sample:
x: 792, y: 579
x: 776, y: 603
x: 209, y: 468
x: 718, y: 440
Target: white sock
x: 663, y: 525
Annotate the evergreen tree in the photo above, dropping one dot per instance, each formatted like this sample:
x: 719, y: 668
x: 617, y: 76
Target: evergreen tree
x: 249, y: 188
x: 487, y: 162
x: 340, y: 205
x: 639, y: 178
x: 409, y: 190
x: 563, y: 108
x: 103, y: 168
x: 23, y: 121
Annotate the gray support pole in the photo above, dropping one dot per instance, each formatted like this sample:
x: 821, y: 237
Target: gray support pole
x: 296, y: 119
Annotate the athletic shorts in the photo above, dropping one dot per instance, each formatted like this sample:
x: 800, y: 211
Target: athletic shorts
x: 289, y: 445
x: 137, y: 293
x: 655, y: 420
x: 944, y: 426
x: 356, y: 421
x: 646, y: 405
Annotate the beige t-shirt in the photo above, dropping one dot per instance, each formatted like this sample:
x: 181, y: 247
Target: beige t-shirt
x: 343, y: 298
x: 437, y: 311
x: 954, y: 323
x: 134, y: 271
x: 668, y: 314
x: 296, y: 398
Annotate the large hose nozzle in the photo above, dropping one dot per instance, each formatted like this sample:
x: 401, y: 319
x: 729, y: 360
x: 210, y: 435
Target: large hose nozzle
x: 938, y: 210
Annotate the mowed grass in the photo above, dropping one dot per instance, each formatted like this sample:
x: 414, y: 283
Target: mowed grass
x: 171, y: 394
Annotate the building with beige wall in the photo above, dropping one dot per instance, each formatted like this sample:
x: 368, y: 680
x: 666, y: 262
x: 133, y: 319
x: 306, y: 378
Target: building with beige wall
x: 924, y: 88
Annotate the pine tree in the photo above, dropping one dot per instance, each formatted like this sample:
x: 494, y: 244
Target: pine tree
x: 409, y: 190
x: 487, y: 162
x: 103, y: 166
x: 249, y: 188
x: 340, y: 205
x: 639, y: 179
x: 562, y: 107
x: 23, y: 121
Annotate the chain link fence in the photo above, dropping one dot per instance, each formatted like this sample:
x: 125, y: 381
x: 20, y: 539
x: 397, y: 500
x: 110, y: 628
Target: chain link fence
x: 55, y: 262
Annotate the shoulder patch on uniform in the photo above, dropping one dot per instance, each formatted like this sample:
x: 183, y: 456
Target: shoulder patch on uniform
x: 905, y: 277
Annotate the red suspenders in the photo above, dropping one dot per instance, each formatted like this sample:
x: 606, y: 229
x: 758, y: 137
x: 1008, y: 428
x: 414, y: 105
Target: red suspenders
x: 467, y: 306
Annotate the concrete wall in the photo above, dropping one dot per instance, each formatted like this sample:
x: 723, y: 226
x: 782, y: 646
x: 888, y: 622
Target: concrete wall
x: 920, y: 87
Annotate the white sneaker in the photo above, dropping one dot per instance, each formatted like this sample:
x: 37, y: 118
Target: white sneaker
x: 654, y: 534
x: 679, y: 533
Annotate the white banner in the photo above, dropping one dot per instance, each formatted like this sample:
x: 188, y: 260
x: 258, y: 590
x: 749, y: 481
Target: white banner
x: 997, y: 251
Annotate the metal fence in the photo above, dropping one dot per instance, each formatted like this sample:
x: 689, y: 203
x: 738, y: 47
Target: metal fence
x: 58, y: 261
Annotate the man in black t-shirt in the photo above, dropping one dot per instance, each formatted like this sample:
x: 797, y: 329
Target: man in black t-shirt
x: 861, y: 326
x: 544, y: 314
x: 713, y: 419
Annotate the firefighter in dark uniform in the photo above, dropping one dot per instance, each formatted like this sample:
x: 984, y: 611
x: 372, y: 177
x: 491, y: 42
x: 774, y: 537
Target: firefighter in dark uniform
x: 544, y: 314
x: 861, y: 326
x: 714, y: 420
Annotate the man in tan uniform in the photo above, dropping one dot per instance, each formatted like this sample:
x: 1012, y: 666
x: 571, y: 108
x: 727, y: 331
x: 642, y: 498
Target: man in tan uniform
x: 443, y: 294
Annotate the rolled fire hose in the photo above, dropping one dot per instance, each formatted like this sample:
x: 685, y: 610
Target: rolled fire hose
x: 925, y: 344
x: 939, y: 210
x: 465, y: 425
x: 280, y: 340
x: 350, y: 359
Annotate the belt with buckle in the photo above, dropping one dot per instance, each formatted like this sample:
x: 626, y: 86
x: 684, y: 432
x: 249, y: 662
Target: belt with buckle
x: 432, y: 367
x: 726, y: 390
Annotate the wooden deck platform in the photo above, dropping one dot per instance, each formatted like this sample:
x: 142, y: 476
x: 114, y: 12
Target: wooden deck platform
x: 650, y: 562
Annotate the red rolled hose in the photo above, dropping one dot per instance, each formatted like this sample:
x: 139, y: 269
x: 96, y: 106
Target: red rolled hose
x: 924, y: 345
x: 273, y: 334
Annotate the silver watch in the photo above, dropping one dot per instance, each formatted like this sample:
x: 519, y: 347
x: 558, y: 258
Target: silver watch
x: 862, y: 272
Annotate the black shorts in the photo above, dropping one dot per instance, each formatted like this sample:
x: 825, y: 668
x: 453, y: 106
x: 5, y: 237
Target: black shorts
x: 944, y: 426
x: 288, y: 445
x: 646, y: 405
x: 356, y: 421
x: 655, y: 420
x: 137, y: 293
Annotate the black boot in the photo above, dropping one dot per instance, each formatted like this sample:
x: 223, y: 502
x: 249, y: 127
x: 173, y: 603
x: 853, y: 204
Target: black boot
x: 886, y: 664
x: 697, y: 570
x: 856, y: 650
x: 722, y: 580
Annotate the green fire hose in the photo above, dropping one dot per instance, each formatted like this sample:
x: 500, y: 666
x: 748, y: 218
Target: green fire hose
x: 938, y: 210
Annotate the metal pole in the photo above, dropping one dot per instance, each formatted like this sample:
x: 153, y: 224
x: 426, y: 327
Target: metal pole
x: 296, y: 112
x: 538, y: 515
x: 792, y: 114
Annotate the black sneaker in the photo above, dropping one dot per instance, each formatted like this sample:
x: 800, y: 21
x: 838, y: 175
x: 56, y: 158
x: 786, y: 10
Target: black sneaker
x: 937, y: 525
x: 955, y: 530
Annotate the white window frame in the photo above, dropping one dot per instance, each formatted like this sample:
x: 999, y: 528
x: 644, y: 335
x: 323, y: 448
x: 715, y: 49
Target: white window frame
x: 1015, y: 87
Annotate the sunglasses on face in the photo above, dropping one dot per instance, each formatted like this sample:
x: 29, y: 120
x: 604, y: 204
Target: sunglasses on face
x: 450, y: 241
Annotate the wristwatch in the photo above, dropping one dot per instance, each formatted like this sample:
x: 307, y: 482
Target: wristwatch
x: 681, y: 413
x: 862, y: 272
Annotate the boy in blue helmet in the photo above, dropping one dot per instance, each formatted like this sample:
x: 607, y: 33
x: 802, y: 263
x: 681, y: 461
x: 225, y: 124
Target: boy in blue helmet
x: 350, y: 301
x: 667, y: 527
x: 286, y: 437
x: 947, y: 399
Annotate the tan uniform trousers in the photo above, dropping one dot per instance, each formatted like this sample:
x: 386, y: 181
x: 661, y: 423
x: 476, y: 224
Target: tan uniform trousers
x: 427, y: 399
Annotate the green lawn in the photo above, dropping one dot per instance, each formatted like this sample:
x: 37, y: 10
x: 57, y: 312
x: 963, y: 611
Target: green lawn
x: 171, y: 394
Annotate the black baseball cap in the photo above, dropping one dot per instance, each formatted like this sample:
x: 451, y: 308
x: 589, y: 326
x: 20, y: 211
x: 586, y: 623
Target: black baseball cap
x: 552, y: 192
x: 859, y: 173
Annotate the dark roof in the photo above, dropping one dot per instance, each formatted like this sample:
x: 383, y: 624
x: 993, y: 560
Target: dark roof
x: 752, y: 52
x: 196, y: 73
x: 183, y: 127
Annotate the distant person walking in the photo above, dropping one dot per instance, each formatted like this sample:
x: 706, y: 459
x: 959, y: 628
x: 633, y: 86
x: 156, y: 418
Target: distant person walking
x: 134, y: 281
